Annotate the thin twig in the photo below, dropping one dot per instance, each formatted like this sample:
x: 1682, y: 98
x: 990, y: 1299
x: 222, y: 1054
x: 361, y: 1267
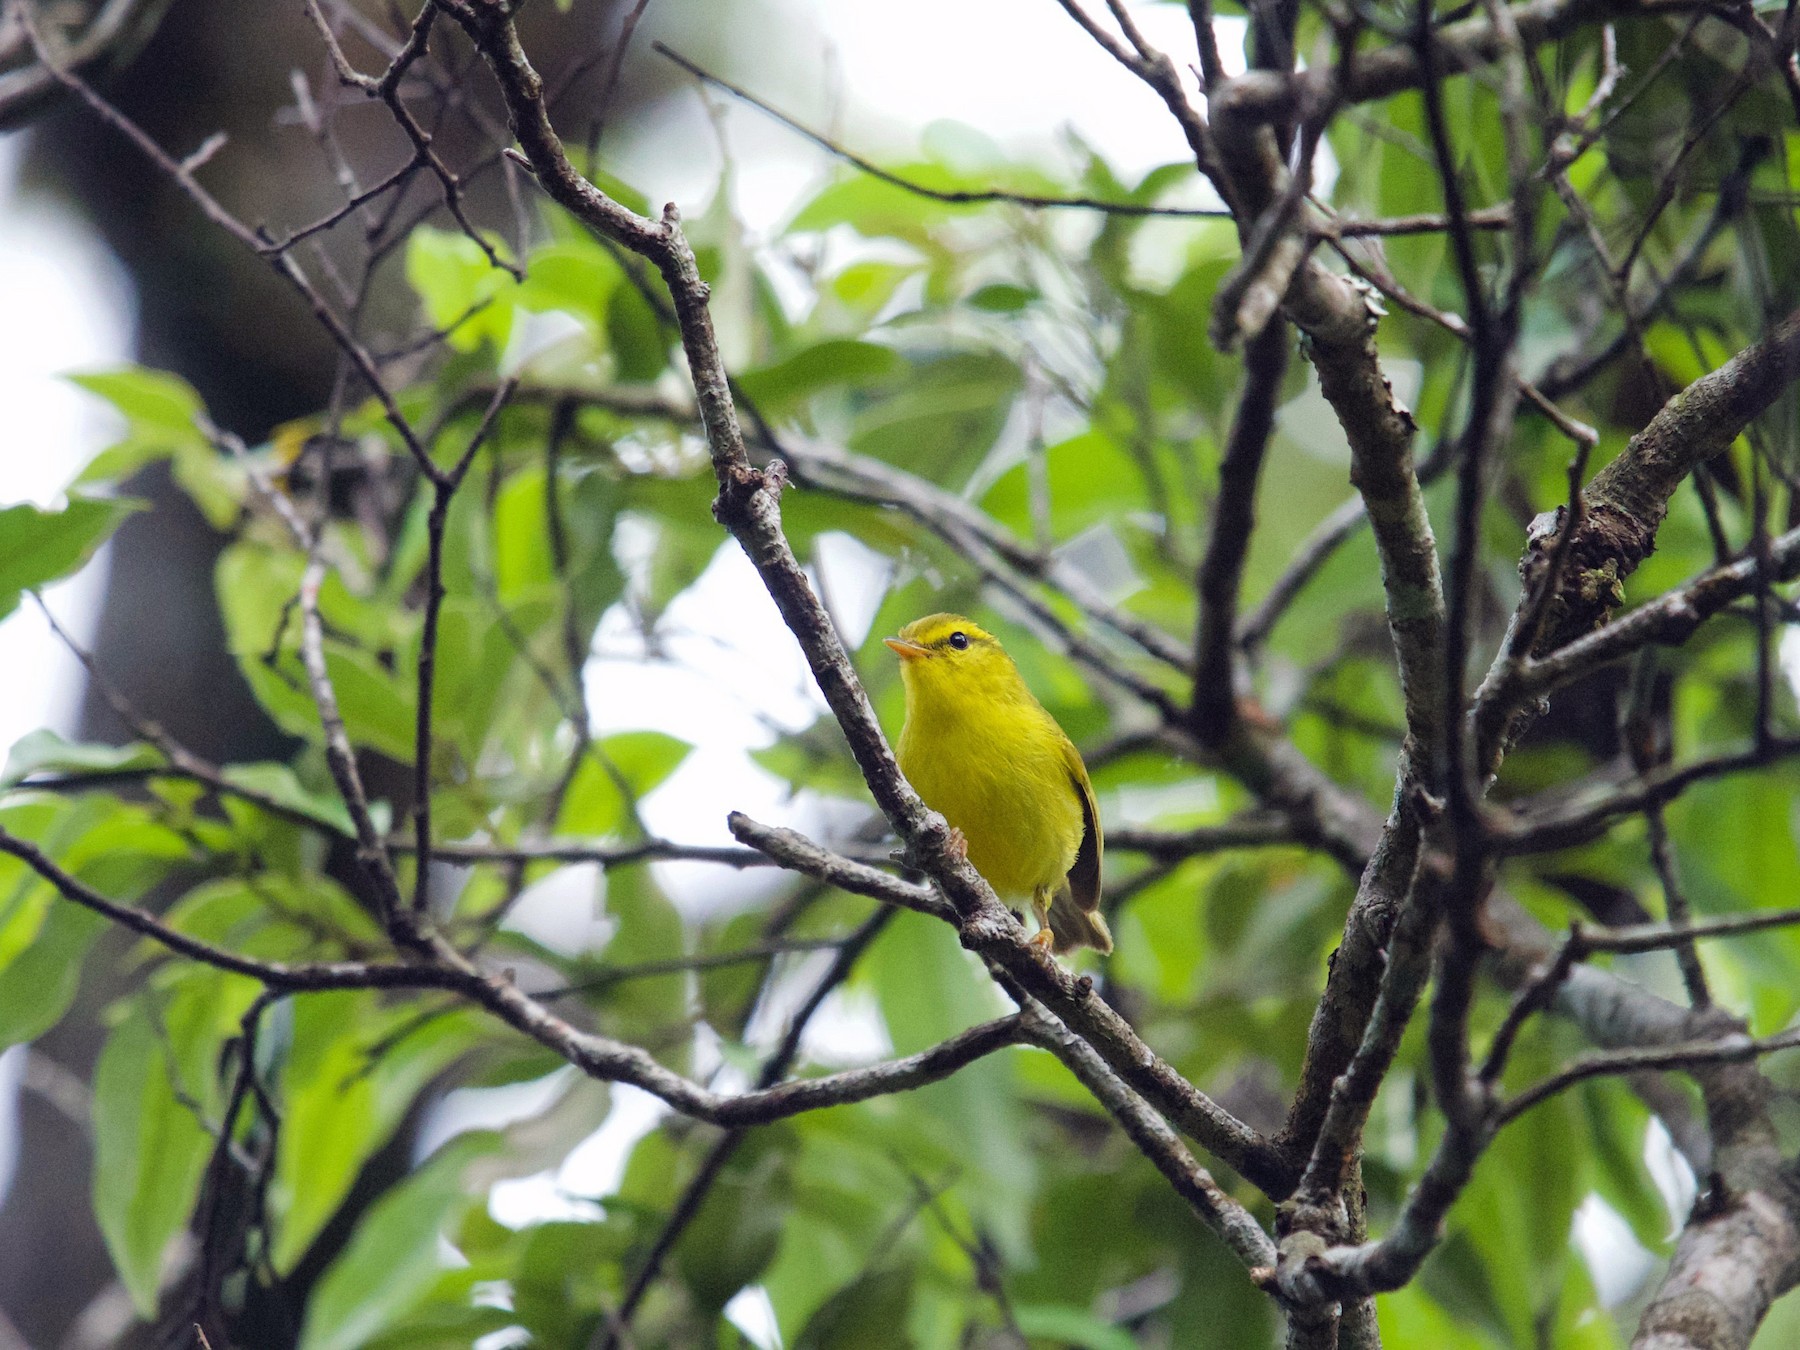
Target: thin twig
x: 443, y: 491
x: 950, y: 196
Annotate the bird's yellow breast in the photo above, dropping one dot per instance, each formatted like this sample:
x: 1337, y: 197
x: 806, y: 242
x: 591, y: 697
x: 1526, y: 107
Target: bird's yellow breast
x: 993, y: 762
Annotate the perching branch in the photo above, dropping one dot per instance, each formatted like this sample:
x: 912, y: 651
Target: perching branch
x: 1071, y: 1000
x: 439, y: 966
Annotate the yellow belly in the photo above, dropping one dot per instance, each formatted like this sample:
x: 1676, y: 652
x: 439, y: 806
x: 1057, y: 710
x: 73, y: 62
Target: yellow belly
x: 1013, y: 801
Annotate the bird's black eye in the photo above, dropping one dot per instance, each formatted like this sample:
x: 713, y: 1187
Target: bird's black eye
x: 960, y: 641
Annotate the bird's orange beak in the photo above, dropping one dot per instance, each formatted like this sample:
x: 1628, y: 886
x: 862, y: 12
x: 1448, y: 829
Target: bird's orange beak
x: 907, y: 651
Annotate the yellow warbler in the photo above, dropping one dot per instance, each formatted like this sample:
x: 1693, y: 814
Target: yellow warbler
x: 978, y: 747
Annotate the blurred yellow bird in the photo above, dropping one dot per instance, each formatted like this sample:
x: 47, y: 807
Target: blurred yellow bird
x: 978, y: 747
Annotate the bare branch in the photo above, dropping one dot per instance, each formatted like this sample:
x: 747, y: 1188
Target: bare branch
x: 1234, y: 519
x: 443, y: 489
x: 1349, y: 227
x: 1587, y: 816
x: 1353, y: 1093
x: 440, y: 966
x: 387, y: 89
x: 340, y: 755
x: 1621, y: 511
x: 1156, y: 70
x: 275, y: 974
x: 1461, y: 46
x: 798, y: 853
x: 1339, y: 319
x: 1728, y: 1049
x: 1212, y: 69
x: 1627, y: 500
x: 611, y: 975
x: 1732, y: 1260
x: 1668, y: 620
x: 1255, y: 829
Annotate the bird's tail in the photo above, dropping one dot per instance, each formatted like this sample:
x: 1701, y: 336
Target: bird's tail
x: 1072, y: 926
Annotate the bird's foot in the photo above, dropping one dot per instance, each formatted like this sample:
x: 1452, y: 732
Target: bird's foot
x: 956, y: 849
x: 1042, y: 939
x: 958, y: 846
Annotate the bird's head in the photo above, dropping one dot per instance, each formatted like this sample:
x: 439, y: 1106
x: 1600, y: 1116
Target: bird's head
x: 943, y: 655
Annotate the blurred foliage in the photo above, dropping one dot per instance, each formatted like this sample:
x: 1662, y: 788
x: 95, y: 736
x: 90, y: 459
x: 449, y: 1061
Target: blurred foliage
x: 1051, y: 370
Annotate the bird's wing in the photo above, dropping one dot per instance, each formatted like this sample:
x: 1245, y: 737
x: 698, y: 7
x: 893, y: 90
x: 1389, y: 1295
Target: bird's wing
x: 1084, y: 876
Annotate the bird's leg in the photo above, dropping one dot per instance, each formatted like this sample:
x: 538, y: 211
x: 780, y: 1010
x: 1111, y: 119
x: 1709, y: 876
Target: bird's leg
x: 1040, y: 906
x: 958, y: 846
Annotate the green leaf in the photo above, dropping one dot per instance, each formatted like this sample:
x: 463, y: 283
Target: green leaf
x: 256, y: 587
x: 837, y: 363
x: 42, y: 942
x: 929, y: 989
x: 1090, y: 480
x: 394, y: 1258
x: 377, y: 707
x: 1002, y: 297
x: 163, y: 421
x: 1162, y: 944
x: 871, y: 1310
x: 649, y: 929
x: 737, y: 1231
x: 865, y: 288
x: 348, y: 1081
x: 561, y: 1280
x: 149, y: 1154
x: 39, y: 546
x: 876, y: 209
x: 523, y: 558
x: 1517, y: 1211
x: 639, y: 343
x: 44, y: 751
x: 961, y: 159
x: 160, y: 412
x: 575, y: 276
x: 275, y: 917
x: 281, y: 786
x: 727, y: 991
x: 946, y: 414
x: 628, y: 761
x: 151, y: 400
x: 816, y: 758
x: 463, y: 292
x: 446, y: 1323
x: 43, y: 938
x: 475, y: 656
